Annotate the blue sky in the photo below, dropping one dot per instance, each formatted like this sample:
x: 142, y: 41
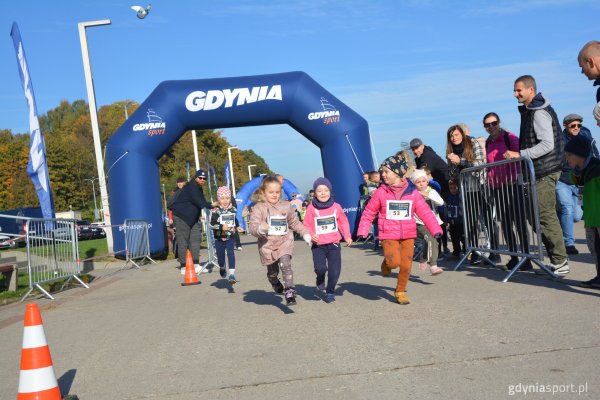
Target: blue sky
x: 411, y: 68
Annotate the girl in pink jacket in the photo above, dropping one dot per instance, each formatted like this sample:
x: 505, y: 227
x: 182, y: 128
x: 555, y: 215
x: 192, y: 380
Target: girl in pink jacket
x: 327, y: 223
x: 396, y: 203
x: 272, y: 221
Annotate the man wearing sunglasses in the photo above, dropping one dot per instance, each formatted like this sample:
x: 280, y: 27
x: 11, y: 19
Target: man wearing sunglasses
x: 567, y: 194
x: 187, y: 206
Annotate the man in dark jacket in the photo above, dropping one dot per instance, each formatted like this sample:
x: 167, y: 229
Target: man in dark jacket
x: 541, y: 140
x: 567, y: 194
x: 425, y: 157
x: 187, y: 205
x: 589, y: 61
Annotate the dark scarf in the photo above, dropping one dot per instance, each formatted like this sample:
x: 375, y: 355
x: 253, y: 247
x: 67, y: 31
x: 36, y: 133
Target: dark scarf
x: 321, y: 206
x: 458, y: 149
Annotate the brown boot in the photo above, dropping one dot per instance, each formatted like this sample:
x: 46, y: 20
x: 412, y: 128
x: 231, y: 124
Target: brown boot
x: 402, y: 298
x: 385, y: 270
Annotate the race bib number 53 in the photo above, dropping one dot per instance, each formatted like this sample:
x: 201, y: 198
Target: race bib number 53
x: 399, y: 210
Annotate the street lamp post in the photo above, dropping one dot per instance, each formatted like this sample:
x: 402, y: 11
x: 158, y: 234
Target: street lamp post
x: 250, y: 171
x: 95, y: 128
x: 94, y: 193
x: 231, y: 170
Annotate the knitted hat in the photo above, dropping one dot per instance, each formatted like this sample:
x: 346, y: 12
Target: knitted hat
x: 397, y: 164
x: 224, y: 191
x: 579, y: 146
x: 180, y: 179
x: 200, y: 174
x: 322, y: 181
x: 417, y: 174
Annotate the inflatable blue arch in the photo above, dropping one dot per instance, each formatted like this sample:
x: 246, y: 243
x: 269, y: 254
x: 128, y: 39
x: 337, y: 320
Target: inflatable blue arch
x: 175, y: 107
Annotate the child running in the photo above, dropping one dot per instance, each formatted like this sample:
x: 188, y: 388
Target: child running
x: 433, y: 199
x: 327, y: 223
x: 396, y: 202
x: 272, y: 221
x: 224, y: 223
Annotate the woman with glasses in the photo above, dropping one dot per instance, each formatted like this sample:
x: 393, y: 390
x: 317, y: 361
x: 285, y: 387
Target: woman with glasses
x: 507, y: 192
x: 462, y: 152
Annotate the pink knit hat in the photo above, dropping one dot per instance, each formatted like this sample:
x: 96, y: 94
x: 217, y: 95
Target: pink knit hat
x: 224, y: 191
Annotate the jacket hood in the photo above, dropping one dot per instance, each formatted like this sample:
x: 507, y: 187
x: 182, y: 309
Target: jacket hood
x: 539, y: 101
x: 409, y: 189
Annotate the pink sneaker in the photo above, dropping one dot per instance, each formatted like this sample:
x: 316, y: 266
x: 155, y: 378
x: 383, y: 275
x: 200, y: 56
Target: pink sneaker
x: 423, y: 265
x: 435, y: 270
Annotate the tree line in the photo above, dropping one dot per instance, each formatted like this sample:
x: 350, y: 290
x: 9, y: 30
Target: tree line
x: 71, y: 160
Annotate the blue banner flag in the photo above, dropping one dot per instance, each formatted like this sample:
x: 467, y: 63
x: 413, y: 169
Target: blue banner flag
x: 37, y: 168
x: 227, y: 174
x: 214, y: 177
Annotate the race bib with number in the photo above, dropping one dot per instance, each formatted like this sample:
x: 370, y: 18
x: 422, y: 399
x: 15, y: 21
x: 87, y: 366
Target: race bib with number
x: 278, y: 225
x: 227, y: 219
x: 399, y: 210
x: 326, y: 224
x: 452, y: 211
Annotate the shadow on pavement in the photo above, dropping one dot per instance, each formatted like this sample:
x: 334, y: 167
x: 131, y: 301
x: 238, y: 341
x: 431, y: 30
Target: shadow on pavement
x: 66, y: 381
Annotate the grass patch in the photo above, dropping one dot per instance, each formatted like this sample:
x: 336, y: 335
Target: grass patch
x: 23, y: 286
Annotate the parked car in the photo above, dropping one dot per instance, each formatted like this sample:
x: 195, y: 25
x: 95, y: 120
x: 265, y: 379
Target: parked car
x: 86, y: 230
x: 7, y: 242
x: 99, y: 232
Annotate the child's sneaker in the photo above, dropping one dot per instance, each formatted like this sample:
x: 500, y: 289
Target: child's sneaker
x: 232, y: 279
x: 329, y: 298
x: 290, y: 296
x: 385, y: 270
x: 278, y: 288
x: 222, y: 272
x: 423, y: 265
x: 435, y: 270
x: 402, y: 298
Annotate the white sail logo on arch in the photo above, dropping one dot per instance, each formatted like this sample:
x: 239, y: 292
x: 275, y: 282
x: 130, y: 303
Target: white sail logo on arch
x: 213, y: 99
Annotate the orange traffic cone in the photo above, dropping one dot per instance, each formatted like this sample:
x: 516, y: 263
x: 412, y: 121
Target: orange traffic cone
x: 190, y: 271
x: 36, y: 379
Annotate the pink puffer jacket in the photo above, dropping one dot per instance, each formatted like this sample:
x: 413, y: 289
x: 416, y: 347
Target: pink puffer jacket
x: 394, y: 229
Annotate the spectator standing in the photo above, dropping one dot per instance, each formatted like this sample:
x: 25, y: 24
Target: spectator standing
x: 541, y: 140
x: 462, y: 152
x: 454, y: 218
x: 187, y: 207
x: 507, y: 192
x: 567, y: 194
x: 426, y: 157
x: 589, y: 61
x: 586, y: 171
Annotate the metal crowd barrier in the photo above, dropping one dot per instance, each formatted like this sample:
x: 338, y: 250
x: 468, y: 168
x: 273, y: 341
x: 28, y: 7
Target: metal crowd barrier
x: 52, y: 253
x: 501, y: 214
x: 208, y: 235
x: 137, y: 244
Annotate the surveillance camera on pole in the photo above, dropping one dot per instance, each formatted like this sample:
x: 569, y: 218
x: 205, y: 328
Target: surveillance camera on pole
x: 141, y: 12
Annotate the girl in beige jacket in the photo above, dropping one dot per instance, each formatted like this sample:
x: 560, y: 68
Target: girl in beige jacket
x: 273, y: 221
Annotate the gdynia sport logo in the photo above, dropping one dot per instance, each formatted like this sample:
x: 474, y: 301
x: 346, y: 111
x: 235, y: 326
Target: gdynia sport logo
x: 213, y: 99
x: 155, y: 125
x: 329, y: 115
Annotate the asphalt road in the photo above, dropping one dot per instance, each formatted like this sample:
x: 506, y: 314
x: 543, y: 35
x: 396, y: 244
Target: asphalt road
x: 138, y: 334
